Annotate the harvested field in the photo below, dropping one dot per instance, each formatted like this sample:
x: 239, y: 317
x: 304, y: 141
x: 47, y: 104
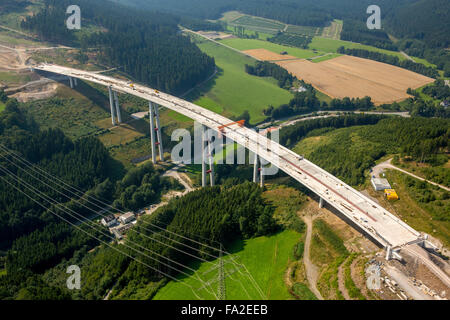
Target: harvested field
x: 353, y: 77
x: 266, y: 55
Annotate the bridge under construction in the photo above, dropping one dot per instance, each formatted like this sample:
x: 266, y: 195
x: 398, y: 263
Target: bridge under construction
x: 370, y: 217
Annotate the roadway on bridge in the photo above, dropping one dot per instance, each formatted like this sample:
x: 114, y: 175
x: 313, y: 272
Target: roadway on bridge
x: 381, y: 225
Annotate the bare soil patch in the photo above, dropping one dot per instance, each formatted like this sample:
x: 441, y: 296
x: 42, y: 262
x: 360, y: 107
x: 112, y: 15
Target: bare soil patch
x: 353, y: 77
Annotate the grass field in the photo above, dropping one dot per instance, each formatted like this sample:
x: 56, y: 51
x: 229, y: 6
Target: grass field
x: 253, y: 23
x: 11, y: 78
x: 73, y: 113
x: 326, y: 57
x: 420, y: 214
x: 331, y: 45
x: 248, y: 44
x: 2, y: 106
x: 233, y: 90
x: 274, y: 251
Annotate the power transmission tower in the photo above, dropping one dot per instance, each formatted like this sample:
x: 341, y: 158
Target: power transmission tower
x: 222, y: 291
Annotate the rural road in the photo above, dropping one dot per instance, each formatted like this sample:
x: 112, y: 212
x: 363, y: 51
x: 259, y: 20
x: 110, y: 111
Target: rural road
x: 219, y: 43
x: 331, y: 113
x: 388, y: 165
x: 312, y: 272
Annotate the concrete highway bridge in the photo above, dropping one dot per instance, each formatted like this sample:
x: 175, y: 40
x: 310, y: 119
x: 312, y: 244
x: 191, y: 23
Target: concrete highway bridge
x: 368, y: 216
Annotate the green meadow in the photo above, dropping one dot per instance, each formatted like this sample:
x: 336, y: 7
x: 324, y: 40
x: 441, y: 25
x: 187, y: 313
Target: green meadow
x: 248, y: 44
x: 257, y: 272
x: 232, y: 90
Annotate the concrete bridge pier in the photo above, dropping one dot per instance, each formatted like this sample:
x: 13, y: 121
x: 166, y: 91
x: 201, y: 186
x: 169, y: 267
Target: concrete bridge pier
x: 71, y: 82
x: 321, y: 203
x: 155, y: 131
x: 258, y: 171
x: 75, y: 81
x: 119, y: 115
x: 255, y: 169
x: 111, y: 104
x: 261, y: 178
x: 152, y: 130
x: 210, y: 171
x: 158, y: 132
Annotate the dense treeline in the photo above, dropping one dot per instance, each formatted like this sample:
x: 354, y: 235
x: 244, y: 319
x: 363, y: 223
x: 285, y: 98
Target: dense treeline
x: 424, y: 20
x: 292, y: 134
x: 209, y: 215
x: 426, y: 108
x: 438, y: 90
x: 439, y: 57
x: 291, y: 40
x: 389, y: 59
x: 348, y: 104
x: 140, y: 187
x: 268, y: 69
x: 146, y: 45
x: 37, y: 235
x: 82, y: 163
x: 307, y: 101
x: 303, y: 102
x: 357, y: 31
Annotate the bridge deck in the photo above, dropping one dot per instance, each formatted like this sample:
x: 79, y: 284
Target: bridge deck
x: 384, y: 227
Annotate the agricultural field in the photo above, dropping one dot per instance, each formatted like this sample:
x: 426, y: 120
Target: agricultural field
x: 348, y: 76
x: 331, y: 45
x: 233, y: 90
x: 304, y: 30
x: 274, y: 250
x: 249, y: 44
x: 268, y: 26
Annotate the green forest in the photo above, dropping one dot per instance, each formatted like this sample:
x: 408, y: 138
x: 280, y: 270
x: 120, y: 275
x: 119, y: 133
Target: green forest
x: 349, y: 153
x: 40, y: 220
x: 146, y: 45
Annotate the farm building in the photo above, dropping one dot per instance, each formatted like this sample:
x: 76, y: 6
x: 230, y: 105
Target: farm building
x: 109, y: 221
x: 127, y: 217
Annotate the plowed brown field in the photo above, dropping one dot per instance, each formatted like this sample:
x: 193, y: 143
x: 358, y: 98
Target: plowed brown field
x: 348, y: 76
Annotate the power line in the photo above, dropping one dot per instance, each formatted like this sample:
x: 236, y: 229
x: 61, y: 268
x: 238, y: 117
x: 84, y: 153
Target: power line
x: 44, y: 174
x: 99, y: 213
x: 45, y: 197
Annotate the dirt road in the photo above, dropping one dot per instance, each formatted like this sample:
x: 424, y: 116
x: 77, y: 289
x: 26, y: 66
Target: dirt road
x: 312, y: 272
x: 341, y: 282
x: 173, y: 172
x: 388, y: 165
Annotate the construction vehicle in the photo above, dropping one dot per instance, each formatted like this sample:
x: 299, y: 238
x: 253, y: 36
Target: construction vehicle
x: 391, y: 194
